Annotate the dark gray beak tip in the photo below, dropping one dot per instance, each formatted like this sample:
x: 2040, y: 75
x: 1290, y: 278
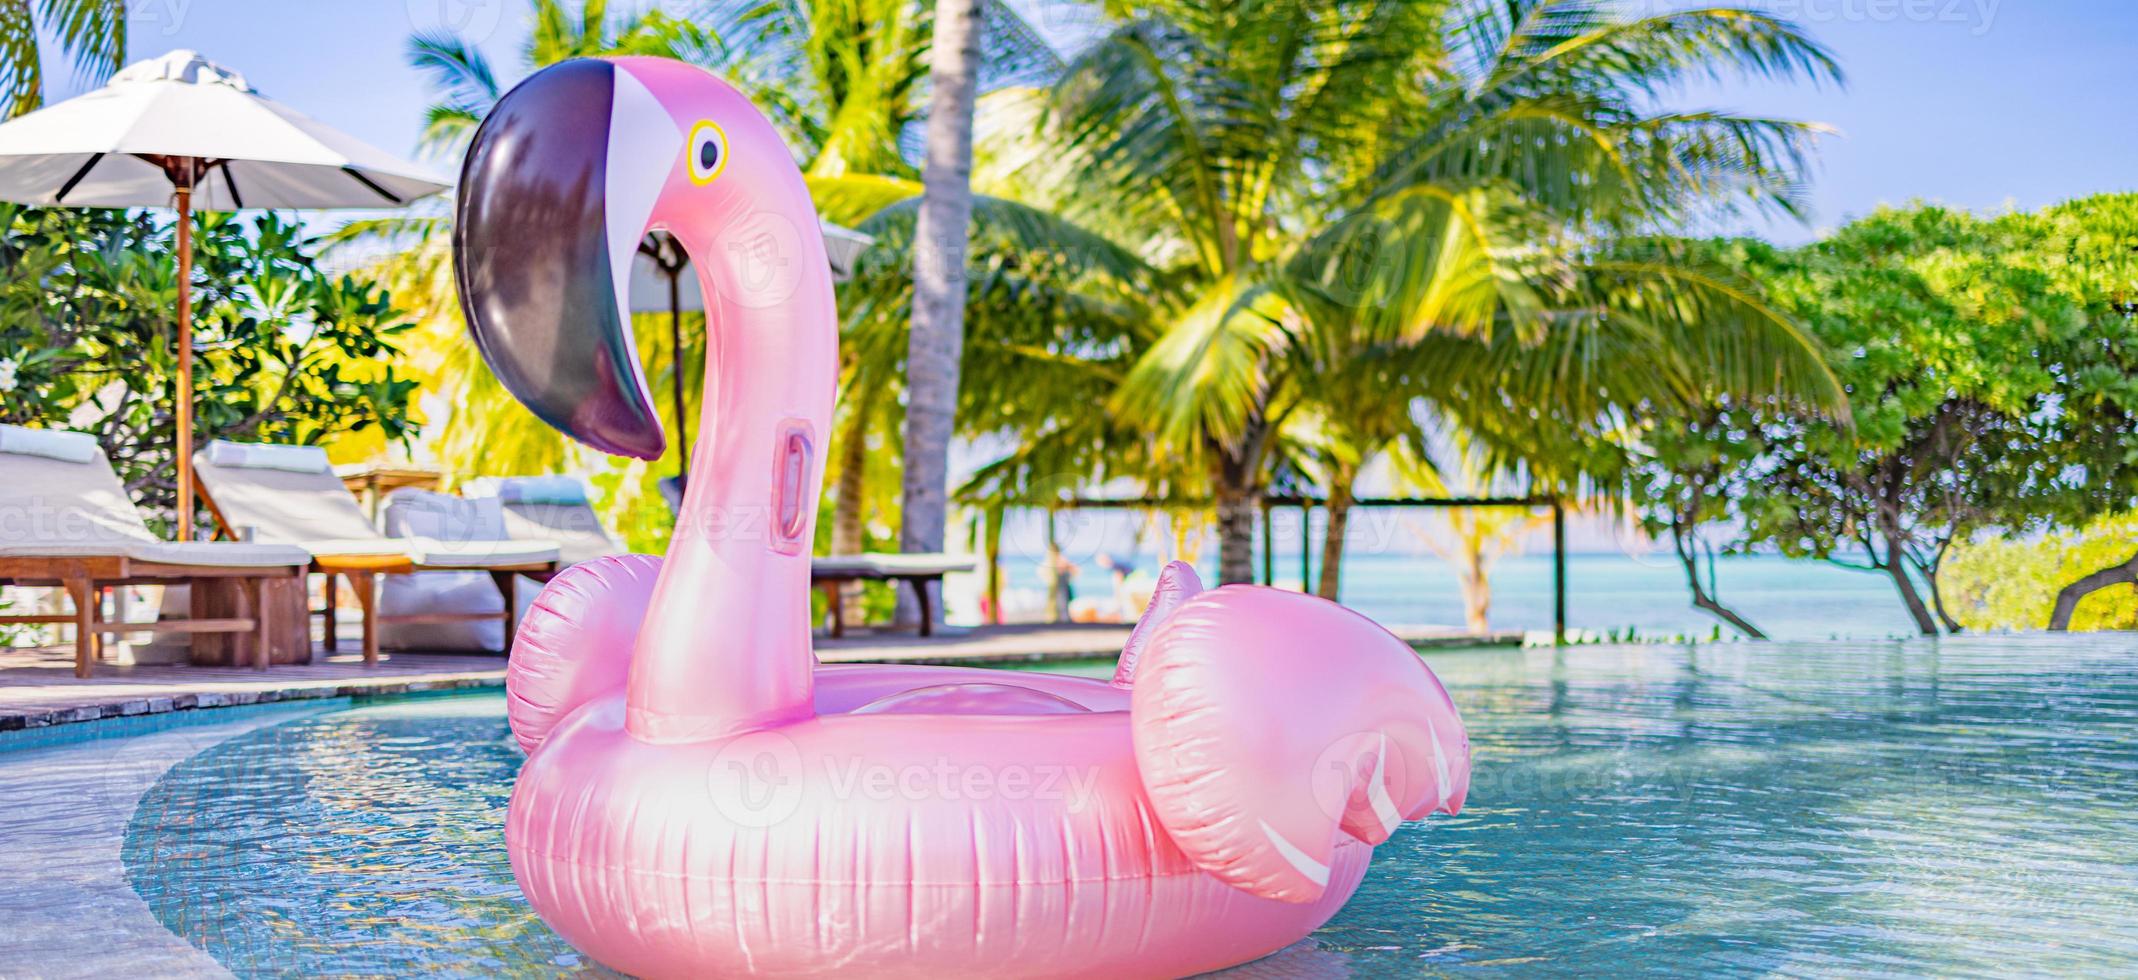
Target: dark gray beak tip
x: 532, y: 254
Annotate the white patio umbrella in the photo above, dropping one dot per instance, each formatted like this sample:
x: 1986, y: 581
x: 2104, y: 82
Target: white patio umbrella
x: 181, y: 131
x: 658, y: 284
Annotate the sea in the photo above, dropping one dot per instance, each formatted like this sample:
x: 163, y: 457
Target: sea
x: 1609, y: 594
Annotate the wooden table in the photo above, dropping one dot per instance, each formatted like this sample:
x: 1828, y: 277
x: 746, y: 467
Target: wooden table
x: 828, y: 574
x: 373, y: 481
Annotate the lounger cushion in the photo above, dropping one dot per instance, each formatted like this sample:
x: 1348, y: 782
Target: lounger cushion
x: 443, y: 554
x: 541, y: 490
x: 283, y: 506
x: 551, y: 508
x: 480, y: 554
x: 57, y: 508
x: 226, y: 554
x: 458, y: 532
x: 575, y: 528
x: 46, y: 503
x: 72, y: 447
x: 267, y: 456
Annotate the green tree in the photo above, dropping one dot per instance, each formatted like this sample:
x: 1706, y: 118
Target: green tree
x: 284, y: 351
x: 2087, y: 247
x: 936, y: 339
x: 91, y: 32
x: 1330, y: 181
x: 469, y: 84
x: 1975, y: 379
x: 2019, y: 583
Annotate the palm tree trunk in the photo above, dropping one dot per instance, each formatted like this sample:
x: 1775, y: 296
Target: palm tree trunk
x: 1236, y: 494
x: 2067, y: 600
x: 940, y: 238
x: 1476, y: 589
x: 1332, y: 543
x: 847, y: 537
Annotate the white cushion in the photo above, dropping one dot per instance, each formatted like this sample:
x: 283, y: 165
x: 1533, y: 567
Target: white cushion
x: 267, y: 456
x: 72, y: 447
x: 541, y: 490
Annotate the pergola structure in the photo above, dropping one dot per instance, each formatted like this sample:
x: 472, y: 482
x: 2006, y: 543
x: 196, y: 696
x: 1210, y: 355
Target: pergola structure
x: 1306, y: 507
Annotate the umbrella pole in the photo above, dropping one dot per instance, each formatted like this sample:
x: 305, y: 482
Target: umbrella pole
x: 675, y: 366
x: 185, y: 361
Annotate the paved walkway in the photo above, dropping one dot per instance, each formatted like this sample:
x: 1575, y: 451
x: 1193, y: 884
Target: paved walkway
x: 67, y: 909
x: 38, y: 686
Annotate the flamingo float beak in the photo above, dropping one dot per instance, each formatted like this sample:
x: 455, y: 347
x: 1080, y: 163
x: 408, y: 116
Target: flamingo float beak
x: 553, y: 201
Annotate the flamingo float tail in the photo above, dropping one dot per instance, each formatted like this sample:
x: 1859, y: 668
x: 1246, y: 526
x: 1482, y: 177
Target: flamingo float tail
x: 1272, y: 728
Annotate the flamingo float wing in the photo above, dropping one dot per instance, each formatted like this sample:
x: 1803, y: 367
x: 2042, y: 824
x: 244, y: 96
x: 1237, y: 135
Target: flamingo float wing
x: 574, y: 644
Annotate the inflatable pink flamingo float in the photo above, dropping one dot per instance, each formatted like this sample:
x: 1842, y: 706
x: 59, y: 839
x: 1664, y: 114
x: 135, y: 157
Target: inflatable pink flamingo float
x: 700, y: 797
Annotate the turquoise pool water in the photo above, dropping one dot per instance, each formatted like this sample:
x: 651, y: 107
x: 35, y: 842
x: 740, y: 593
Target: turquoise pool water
x: 1965, y: 807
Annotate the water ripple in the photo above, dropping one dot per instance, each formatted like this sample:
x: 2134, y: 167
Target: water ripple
x: 1964, y: 807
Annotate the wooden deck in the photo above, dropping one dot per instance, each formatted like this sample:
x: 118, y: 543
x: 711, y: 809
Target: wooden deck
x: 38, y: 687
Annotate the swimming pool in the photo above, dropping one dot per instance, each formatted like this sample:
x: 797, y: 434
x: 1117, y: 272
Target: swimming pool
x: 1959, y: 807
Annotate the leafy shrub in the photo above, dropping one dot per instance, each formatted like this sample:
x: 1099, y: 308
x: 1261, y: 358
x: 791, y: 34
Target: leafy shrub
x: 2006, y: 583
x: 284, y: 351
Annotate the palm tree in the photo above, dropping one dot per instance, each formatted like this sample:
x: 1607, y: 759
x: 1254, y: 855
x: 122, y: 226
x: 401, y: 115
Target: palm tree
x: 1472, y: 539
x: 470, y: 86
x: 1335, y: 181
x: 91, y: 32
x: 936, y: 341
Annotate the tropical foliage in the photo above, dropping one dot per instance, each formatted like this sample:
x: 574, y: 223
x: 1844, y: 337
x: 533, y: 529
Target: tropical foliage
x: 92, y: 33
x: 2015, y: 583
x: 1988, y: 363
x: 1353, y: 206
x: 283, y: 350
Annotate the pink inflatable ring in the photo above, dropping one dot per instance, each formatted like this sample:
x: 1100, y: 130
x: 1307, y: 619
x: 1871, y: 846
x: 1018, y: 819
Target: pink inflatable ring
x: 700, y: 797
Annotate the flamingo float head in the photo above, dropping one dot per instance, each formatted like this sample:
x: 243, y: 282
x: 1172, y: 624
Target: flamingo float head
x: 565, y: 177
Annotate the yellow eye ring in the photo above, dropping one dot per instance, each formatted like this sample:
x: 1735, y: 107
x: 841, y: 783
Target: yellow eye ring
x: 708, y: 151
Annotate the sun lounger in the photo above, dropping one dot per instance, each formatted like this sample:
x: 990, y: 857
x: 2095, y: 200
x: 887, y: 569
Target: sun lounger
x: 555, y: 508
x: 66, y: 522
x: 830, y: 572
x: 286, y: 495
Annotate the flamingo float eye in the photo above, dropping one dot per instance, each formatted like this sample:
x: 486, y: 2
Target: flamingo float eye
x: 708, y: 151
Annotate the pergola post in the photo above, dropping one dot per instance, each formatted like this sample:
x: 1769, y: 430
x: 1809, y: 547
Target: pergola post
x: 1306, y: 547
x: 993, y: 542
x: 1269, y: 547
x: 1558, y: 572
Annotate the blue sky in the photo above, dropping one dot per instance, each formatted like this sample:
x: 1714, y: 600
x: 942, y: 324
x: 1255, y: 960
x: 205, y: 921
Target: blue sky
x: 1975, y: 103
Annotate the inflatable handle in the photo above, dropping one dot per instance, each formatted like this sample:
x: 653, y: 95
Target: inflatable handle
x: 1271, y: 726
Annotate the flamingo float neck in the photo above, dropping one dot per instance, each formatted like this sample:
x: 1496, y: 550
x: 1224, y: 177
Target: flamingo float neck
x: 655, y: 144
